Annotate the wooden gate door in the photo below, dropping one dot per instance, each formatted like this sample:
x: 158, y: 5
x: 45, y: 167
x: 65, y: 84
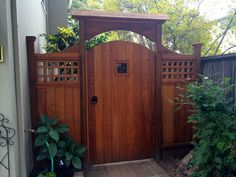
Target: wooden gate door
x: 121, y: 78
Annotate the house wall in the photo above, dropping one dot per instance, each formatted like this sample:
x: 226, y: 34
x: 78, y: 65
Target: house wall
x: 20, y: 19
x: 29, y: 19
x: 57, y: 15
x: 7, y: 84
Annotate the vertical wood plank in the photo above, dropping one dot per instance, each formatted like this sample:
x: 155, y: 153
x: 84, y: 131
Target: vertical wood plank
x: 42, y: 103
x: 51, y: 102
x: 98, y: 62
x: 77, y: 114
x: 168, y: 111
x: 107, y: 100
x: 115, y: 103
x: 60, y: 101
x: 69, y: 109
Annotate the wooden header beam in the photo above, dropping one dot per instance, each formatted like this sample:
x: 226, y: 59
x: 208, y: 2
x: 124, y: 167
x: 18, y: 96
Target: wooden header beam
x: 144, y: 18
x: 97, y: 22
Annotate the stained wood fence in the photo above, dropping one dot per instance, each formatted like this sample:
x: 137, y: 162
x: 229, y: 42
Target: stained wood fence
x: 55, y: 89
x: 55, y: 86
x: 220, y: 67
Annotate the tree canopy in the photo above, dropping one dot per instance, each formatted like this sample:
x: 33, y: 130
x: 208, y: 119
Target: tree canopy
x: 185, y: 27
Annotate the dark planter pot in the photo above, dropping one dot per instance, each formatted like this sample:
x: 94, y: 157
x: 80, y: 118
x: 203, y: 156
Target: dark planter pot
x: 42, y: 167
x: 63, y: 171
x: 60, y: 170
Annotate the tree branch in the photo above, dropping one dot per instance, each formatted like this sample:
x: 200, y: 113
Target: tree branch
x: 234, y: 46
x: 225, y: 32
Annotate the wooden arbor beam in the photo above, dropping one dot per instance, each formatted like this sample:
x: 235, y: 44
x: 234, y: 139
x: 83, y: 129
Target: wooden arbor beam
x: 98, y: 22
x: 92, y: 23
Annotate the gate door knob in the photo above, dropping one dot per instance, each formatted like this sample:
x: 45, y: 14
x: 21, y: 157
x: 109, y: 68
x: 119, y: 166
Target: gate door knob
x: 94, y: 100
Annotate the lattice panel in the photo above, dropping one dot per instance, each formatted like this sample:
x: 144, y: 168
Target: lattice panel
x: 57, y: 71
x: 174, y: 71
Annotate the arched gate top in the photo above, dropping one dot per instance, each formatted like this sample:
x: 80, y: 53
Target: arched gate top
x: 96, y: 22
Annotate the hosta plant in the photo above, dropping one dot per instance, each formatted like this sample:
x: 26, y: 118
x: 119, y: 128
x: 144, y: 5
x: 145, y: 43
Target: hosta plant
x: 54, y: 144
x: 47, y: 137
x: 70, y: 152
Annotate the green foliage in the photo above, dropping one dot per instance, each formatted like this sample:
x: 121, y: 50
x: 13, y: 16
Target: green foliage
x: 47, y: 175
x: 70, y: 152
x: 67, y: 37
x: 54, y: 144
x: 186, y: 24
x: 102, y: 38
x: 48, y: 135
x: 214, y: 122
x: 49, y: 131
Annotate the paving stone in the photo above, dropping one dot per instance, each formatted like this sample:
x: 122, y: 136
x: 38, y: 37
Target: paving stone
x: 144, y: 168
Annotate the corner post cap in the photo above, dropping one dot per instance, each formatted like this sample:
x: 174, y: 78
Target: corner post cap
x: 30, y: 38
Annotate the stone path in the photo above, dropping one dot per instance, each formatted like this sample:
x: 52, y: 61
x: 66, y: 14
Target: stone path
x: 143, y: 168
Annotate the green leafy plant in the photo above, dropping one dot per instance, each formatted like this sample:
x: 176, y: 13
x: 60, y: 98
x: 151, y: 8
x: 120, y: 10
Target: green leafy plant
x: 47, y: 137
x: 68, y: 36
x: 214, y: 120
x: 71, y: 153
x: 54, y: 144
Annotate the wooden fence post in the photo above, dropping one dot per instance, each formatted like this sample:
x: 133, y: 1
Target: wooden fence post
x: 158, y: 92
x: 197, y: 56
x: 30, y: 40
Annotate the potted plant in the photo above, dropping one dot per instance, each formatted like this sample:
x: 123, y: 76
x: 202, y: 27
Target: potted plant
x: 69, y: 156
x: 56, y: 146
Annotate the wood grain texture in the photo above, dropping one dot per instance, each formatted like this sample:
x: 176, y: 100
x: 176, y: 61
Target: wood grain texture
x: 63, y: 103
x: 124, y: 116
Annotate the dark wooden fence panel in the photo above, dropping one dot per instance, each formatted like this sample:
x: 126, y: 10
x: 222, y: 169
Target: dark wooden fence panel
x: 220, y: 67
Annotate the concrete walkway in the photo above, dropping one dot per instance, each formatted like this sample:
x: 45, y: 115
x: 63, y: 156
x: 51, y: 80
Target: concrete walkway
x: 143, y: 168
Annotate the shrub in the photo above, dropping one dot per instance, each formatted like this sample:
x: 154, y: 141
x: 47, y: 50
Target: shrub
x: 214, y: 121
x: 67, y: 37
x: 55, y: 145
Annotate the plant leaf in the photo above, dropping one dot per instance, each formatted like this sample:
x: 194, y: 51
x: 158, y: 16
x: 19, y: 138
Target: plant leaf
x: 54, y: 135
x: 52, y: 121
x: 60, y: 153
x: 69, y: 156
x: 67, y: 163
x: 40, y: 140
x: 44, y: 119
x: 80, y: 149
x: 76, y: 162
x: 42, y: 129
x: 62, y: 144
x: 41, y: 156
x: 52, y: 149
x: 62, y: 128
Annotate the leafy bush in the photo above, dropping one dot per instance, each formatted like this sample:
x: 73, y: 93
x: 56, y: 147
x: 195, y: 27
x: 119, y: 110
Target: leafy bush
x: 67, y: 37
x: 71, y: 153
x: 214, y: 122
x: 54, y: 144
x: 48, y: 135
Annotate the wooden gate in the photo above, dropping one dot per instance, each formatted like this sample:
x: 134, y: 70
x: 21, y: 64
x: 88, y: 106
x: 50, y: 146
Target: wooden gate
x: 122, y: 106
x: 115, y: 97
